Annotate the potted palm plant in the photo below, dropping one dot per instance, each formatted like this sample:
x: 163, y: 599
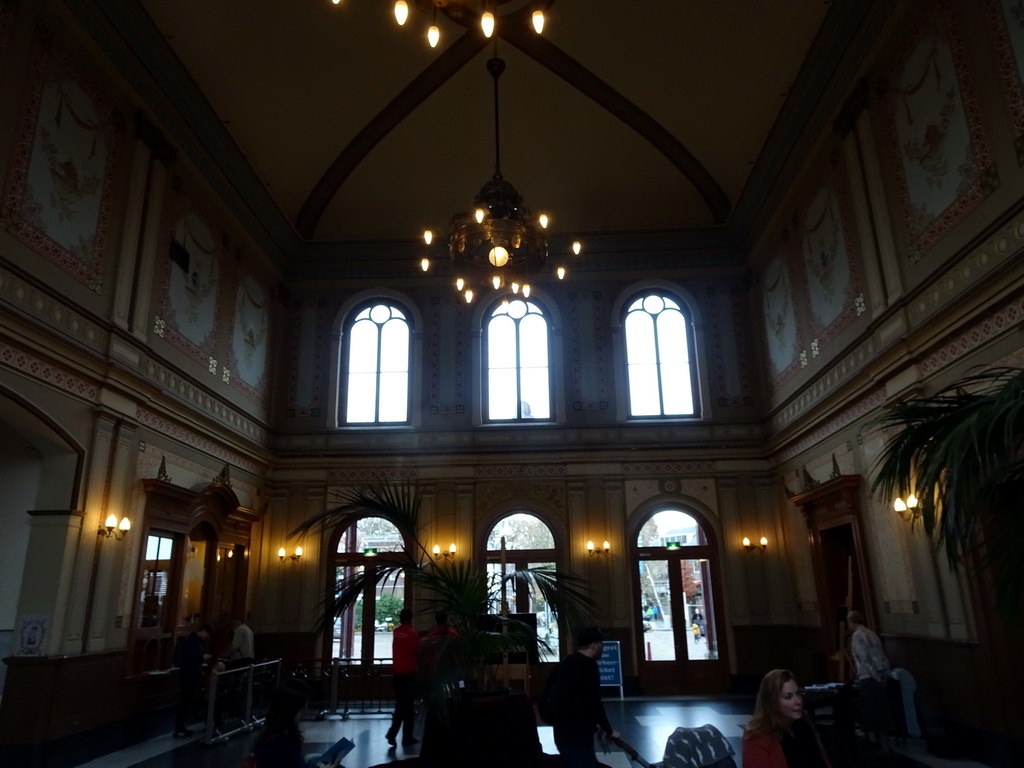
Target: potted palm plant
x: 960, y: 452
x: 474, y: 599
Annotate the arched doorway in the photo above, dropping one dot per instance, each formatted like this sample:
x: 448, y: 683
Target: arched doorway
x: 677, y: 586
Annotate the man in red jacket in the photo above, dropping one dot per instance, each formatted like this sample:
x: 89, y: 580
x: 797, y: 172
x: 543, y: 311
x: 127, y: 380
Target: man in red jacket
x: 405, y: 647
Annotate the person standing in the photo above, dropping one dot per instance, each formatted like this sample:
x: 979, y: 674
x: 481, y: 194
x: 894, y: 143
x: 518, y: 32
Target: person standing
x: 242, y: 651
x: 579, y: 697
x: 871, y: 666
x: 190, y: 659
x: 405, y: 645
x: 441, y: 628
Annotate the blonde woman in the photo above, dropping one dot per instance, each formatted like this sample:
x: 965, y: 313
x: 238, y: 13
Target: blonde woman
x: 778, y: 735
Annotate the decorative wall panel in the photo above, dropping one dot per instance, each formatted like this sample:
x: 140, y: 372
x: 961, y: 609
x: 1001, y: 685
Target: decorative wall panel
x: 308, y: 346
x: 63, y: 169
x: 247, y: 357
x: 783, y: 335
x: 447, y: 356
x: 589, y: 364
x: 942, y: 161
x: 729, y: 342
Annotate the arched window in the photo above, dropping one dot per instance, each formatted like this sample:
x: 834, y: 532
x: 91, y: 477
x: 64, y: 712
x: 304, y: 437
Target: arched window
x: 377, y: 366
x: 529, y: 543
x: 363, y: 633
x: 659, y: 359
x: 518, y: 364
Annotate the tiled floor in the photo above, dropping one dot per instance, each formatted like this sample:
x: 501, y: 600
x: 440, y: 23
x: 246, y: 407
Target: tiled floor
x: 644, y: 723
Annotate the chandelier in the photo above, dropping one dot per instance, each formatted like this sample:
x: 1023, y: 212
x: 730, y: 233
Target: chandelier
x: 499, y: 244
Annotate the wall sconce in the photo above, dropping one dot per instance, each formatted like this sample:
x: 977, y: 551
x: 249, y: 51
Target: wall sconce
x: 748, y: 546
x: 370, y: 551
x: 902, y: 506
x: 449, y: 555
x: 604, y: 550
x: 282, y: 554
x: 673, y: 545
x: 113, y: 528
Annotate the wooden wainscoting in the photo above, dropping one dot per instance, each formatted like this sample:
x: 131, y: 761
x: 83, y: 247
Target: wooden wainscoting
x: 760, y: 647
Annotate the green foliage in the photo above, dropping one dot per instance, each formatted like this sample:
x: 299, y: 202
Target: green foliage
x: 960, y: 452
x: 464, y: 590
x: 387, y: 607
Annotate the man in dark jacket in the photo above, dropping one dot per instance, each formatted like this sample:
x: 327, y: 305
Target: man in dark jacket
x: 579, y: 683
x: 190, y: 661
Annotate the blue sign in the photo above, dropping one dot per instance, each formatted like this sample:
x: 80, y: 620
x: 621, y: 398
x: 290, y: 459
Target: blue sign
x: 610, y: 663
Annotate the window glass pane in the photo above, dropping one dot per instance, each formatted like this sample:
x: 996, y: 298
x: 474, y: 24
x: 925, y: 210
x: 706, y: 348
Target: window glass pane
x: 394, y: 397
x: 644, y: 397
x: 671, y: 525
x: 502, y: 394
x: 501, y: 343
x: 536, y: 399
x: 362, y: 350
x: 394, y: 346
x: 676, y: 389
x: 672, y: 337
x: 521, y: 531
x: 656, y: 610
x: 156, y: 571
x: 533, y: 342
x: 640, y: 338
x: 361, y: 404
x: 378, y: 533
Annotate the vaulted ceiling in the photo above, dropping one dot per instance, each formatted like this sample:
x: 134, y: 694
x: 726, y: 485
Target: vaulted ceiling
x: 621, y: 117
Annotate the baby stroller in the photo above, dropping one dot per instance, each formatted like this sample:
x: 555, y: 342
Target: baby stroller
x: 703, y: 747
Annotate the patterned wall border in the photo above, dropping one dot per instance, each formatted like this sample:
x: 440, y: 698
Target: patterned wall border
x: 46, y: 53
x: 728, y: 302
x: 370, y: 475
x: 459, y: 404
x: 667, y: 468
x: 519, y: 470
x: 580, y: 403
x: 1009, y: 74
x: 319, y: 341
x: 198, y: 441
x: 940, y: 20
x: 991, y: 325
x: 55, y: 314
x: 25, y: 362
x: 837, y: 422
x: 170, y: 381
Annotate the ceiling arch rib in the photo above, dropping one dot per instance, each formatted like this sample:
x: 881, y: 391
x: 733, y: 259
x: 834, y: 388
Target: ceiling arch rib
x: 456, y: 56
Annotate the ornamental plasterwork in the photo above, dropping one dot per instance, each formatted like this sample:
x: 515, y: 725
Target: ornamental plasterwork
x: 198, y: 441
x: 842, y: 419
x: 551, y: 494
x: 371, y: 474
x: 638, y: 491
x: 41, y: 370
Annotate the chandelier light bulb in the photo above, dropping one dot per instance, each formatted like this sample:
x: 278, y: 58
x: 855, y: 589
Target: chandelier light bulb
x: 498, y: 256
x: 479, y: 215
x: 428, y: 236
x: 433, y: 35
x: 576, y: 247
x: 425, y: 264
x: 538, y: 21
x: 560, y: 272
x: 469, y: 296
x: 515, y: 287
x: 459, y: 284
x: 401, y: 11
x: 496, y: 282
x: 526, y: 291
x: 543, y: 220
x: 487, y: 23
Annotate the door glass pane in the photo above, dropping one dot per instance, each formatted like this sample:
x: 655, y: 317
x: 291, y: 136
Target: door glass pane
x: 155, y: 575
x: 656, y: 602
x: 192, y: 583
x: 345, y: 640
x: 701, y: 638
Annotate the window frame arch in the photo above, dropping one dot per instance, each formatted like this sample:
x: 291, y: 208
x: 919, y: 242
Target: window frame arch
x: 690, y: 310
x: 339, y: 346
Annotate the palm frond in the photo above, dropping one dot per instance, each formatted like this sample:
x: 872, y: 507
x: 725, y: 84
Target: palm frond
x: 959, y: 451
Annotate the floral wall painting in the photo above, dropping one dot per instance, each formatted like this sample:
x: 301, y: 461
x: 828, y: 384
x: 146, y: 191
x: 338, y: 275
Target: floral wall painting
x: 944, y: 167
x: 829, y: 262
x: 192, y: 278
x: 249, y: 341
x: 62, y: 173
x: 779, y: 317
x: 1007, y: 30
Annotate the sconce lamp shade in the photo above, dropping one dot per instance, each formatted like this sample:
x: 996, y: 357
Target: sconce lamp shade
x: 111, y: 527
